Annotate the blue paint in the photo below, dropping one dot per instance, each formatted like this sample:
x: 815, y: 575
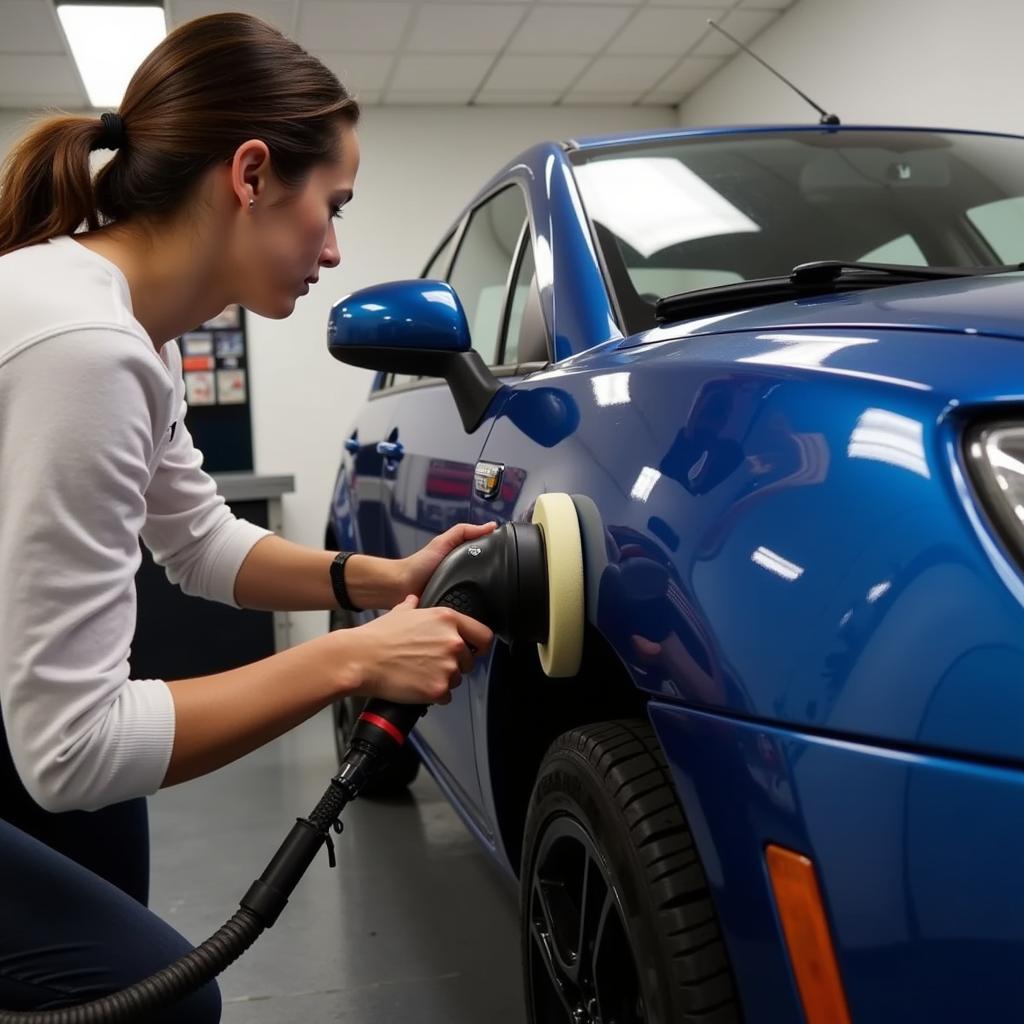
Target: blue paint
x: 918, y: 860
x: 400, y: 314
x: 793, y: 567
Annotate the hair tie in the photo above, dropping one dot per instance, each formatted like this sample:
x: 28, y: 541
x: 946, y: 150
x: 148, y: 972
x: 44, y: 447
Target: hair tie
x: 112, y: 136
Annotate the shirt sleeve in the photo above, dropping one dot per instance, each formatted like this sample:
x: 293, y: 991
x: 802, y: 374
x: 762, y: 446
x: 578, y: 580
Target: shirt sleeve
x: 189, y: 528
x: 77, y: 447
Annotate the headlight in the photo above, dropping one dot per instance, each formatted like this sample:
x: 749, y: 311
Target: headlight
x: 995, y: 454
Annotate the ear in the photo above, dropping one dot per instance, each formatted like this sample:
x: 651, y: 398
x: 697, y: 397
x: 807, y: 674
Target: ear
x: 250, y: 171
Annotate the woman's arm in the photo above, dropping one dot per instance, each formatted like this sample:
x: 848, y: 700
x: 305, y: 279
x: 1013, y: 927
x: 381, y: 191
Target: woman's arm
x: 278, y: 575
x: 410, y: 654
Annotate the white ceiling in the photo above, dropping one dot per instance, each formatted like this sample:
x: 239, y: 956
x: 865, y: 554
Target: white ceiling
x: 397, y: 52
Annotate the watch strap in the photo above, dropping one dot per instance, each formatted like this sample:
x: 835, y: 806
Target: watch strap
x: 341, y: 594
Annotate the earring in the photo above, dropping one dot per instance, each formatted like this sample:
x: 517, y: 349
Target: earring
x: 252, y: 203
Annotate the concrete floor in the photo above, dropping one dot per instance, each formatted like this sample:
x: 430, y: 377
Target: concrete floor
x: 415, y: 924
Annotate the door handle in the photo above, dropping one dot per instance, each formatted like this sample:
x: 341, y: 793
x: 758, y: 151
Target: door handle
x: 392, y: 450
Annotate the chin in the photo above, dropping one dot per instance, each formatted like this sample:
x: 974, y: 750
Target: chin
x: 273, y: 309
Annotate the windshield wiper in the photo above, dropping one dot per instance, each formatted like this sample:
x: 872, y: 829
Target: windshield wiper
x: 818, y: 278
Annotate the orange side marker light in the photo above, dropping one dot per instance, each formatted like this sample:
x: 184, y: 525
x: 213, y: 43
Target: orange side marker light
x: 808, y: 941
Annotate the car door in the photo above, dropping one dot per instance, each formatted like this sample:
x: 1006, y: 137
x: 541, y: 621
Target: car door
x: 429, y: 458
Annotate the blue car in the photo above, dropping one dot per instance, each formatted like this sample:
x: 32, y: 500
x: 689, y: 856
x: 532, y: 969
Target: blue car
x: 780, y: 372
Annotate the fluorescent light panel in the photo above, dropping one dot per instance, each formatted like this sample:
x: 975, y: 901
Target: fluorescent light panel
x: 109, y: 42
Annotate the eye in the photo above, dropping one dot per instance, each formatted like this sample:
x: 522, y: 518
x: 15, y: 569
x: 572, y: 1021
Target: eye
x: 336, y: 212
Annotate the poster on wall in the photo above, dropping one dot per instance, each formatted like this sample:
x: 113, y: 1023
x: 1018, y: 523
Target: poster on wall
x: 231, y: 387
x: 200, y: 388
x: 213, y: 358
x: 197, y: 343
x: 215, y: 365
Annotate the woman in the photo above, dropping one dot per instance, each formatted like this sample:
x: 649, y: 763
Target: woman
x: 234, y: 149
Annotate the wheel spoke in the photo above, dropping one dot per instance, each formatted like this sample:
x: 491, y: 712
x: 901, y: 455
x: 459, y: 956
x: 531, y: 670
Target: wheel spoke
x: 600, y: 930
x: 593, y: 896
x: 581, y: 935
x: 560, y: 922
x: 562, y: 986
x: 617, y: 995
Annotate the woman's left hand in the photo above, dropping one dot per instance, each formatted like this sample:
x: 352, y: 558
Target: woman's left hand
x: 416, y: 570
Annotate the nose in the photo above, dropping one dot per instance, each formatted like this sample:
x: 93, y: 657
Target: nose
x: 330, y: 255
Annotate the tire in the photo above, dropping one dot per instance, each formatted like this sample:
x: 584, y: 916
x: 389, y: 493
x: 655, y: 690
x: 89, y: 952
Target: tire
x: 611, y: 880
x: 400, y: 772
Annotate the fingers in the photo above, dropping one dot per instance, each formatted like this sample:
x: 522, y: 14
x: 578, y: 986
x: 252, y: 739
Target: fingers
x: 462, y: 532
x: 466, y: 659
x: 645, y: 648
x: 474, y: 633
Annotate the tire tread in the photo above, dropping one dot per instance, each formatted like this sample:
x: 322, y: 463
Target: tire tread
x: 627, y: 757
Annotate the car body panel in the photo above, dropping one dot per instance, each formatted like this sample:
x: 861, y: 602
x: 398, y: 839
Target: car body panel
x: 887, y: 592
x: 793, y: 568
x: 596, y: 142
x: 917, y: 859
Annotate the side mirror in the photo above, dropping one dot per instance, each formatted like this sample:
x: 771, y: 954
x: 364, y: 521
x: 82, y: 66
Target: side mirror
x: 414, y: 327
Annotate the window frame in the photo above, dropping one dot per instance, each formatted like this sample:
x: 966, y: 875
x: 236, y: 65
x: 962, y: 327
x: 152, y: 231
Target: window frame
x: 458, y: 233
x: 525, y: 239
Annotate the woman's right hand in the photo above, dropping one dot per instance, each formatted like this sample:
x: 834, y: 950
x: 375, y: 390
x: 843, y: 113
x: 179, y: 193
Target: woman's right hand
x: 415, y: 655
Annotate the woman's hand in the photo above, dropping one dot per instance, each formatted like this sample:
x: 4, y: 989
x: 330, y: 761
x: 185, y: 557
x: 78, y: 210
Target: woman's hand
x: 414, y: 655
x: 416, y: 570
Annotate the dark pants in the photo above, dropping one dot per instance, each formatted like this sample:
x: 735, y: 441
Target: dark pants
x: 73, y: 919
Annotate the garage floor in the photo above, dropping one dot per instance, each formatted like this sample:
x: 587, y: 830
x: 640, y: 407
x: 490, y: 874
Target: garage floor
x: 415, y: 924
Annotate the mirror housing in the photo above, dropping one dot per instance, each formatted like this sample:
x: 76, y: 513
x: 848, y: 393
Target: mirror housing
x: 414, y: 327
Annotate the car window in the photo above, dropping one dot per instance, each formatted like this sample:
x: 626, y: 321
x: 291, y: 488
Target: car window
x: 437, y: 268
x: 526, y: 336
x: 674, y: 216
x: 482, y: 265
x: 903, y: 250
x: 1002, y: 225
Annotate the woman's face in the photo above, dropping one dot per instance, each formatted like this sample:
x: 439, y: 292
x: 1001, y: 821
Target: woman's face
x: 288, y: 235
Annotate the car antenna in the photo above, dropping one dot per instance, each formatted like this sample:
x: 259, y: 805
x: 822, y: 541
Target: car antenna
x: 826, y: 118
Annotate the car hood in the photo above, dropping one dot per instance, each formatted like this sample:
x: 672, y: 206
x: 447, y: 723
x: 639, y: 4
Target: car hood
x: 992, y: 305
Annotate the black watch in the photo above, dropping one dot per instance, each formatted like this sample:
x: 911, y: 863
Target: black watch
x: 338, y: 582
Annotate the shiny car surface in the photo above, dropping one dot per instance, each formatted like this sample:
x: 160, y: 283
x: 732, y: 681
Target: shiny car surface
x: 812, y: 510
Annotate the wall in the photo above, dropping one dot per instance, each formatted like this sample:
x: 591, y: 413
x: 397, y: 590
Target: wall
x: 419, y: 168
x: 941, y: 63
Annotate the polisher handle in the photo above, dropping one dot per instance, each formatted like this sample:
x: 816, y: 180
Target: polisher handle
x: 382, y: 720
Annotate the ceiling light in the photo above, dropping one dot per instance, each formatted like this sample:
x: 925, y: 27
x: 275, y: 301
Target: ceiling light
x: 108, y: 42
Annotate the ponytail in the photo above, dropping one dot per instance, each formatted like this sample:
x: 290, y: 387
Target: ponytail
x: 46, y: 183
x: 205, y: 89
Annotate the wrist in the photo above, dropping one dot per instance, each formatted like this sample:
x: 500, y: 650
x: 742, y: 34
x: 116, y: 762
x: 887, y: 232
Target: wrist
x: 399, y: 587
x: 374, y: 582
x: 347, y: 670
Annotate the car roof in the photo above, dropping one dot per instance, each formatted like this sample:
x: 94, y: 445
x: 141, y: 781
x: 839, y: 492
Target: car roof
x: 593, y: 142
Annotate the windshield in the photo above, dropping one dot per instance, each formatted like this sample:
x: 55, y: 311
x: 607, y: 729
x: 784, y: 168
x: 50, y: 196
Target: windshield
x: 676, y: 216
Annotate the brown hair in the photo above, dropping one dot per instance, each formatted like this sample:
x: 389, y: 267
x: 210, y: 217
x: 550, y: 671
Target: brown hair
x: 209, y: 86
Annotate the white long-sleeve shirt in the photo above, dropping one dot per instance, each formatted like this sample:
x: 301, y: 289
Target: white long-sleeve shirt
x: 93, y: 454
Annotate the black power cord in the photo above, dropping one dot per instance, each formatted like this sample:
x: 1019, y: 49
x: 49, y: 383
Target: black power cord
x: 381, y: 728
x: 499, y: 580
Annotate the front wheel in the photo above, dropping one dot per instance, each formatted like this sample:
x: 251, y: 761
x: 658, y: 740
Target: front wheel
x: 618, y: 924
